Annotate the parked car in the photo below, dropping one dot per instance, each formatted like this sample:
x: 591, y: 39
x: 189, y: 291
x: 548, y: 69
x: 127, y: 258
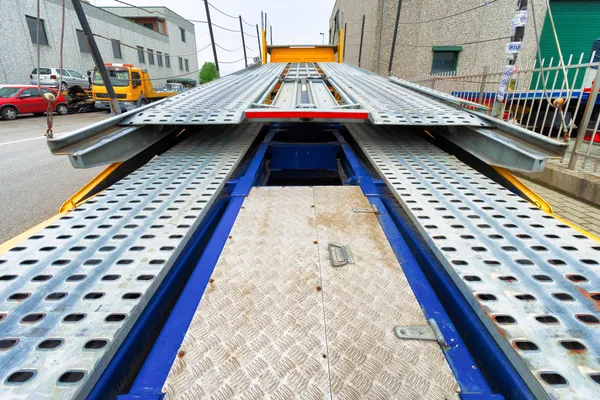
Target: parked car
x: 51, y: 77
x: 25, y: 99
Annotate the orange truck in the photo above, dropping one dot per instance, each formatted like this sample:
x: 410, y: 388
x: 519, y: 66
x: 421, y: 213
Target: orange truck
x: 132, y: 86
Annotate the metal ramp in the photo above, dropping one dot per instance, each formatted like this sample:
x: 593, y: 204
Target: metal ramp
x: 533, y: 281
x: 278, y: 321
x: 70, y: 293
x: 391, y: 104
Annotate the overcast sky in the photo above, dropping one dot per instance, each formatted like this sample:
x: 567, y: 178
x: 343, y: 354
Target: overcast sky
x: 293, y: 21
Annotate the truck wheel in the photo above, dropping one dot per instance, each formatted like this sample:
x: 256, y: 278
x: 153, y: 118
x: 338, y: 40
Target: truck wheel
x: 63, y: 86
x: 61, y: 109
x: 143, y: 102
x: 9, y: 113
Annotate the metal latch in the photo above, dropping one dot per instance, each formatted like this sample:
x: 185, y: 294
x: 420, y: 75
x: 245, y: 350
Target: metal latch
x: 422, y: 332
x: 370, y: 210
x: 339, y: 255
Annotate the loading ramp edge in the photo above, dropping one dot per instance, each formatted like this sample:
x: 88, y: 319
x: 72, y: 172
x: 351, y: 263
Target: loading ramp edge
x: 84, y: 263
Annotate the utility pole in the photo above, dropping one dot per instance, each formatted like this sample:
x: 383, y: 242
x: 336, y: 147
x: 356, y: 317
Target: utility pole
x: 394, y: 38
x: 258, y: 38
x: 243, y: 42
x: 212, y: 38
x: 85, y: 26
x: 362, y: 34
x: 513, y: 48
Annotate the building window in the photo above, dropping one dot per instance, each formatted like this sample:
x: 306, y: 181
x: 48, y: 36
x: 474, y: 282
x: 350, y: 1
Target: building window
x: 150, y: 57
x: 149, y: 26
x: 116, y: 46
x: 141, y: 57
x: 32, y: 25
x: 167, y: 61
x: 159, y: 58
x: 83, y: 44
x: 161, y: 27
x: 180, y: 64
x: 445, y: 59
x: 182, y: 34
x: 187, y: 65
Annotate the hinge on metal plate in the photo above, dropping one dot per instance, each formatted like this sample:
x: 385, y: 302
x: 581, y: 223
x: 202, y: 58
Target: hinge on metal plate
x: 339, y: 255
x: 373, y: 209
x: 422, y: 332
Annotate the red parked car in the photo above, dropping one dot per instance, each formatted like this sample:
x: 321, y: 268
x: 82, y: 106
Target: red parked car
x: 26, y: 99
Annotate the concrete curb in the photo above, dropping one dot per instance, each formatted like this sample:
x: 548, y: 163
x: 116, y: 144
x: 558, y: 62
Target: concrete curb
x: 580, y: 185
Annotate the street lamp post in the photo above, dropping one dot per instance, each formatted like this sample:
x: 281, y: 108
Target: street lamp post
x: 322, y: 36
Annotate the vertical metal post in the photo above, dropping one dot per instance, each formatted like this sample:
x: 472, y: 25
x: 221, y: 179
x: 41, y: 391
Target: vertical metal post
x: 271, y: 34
x: 212, y: 38
x: 258, y: 38
x: 345, y: 32
x: 362, y: 34
x: 243, y: 42
x: 394, y: 38
x: 97, y: 57
x: 517, y: 36
x: 587, y: 115
x: 486, y: 71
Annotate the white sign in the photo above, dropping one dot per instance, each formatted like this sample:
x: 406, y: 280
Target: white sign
x: 513, y: 47
x: 519, y: 19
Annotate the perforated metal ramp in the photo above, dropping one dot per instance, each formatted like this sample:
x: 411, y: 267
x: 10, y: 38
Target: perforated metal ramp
x: 222, y: 101
x: 391, y: 104
x: 278, y: 321
x: 70, y: 293
x: 533, y: 280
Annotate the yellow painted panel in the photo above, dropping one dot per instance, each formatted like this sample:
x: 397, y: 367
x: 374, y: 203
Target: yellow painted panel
x: 77, y: 198
x: 302, y: 54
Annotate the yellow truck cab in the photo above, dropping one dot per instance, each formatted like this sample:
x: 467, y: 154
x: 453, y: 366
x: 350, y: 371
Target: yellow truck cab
x: 132, y: 86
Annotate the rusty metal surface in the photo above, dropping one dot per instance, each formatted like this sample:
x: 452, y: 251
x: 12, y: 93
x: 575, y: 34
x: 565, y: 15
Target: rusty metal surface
x: 258, y: 331
x: 364, y: 301
x: 277, y: 321
x: 533, y: 280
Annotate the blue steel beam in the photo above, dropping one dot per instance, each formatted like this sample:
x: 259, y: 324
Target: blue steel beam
x: 469, y: 377
x: 151, y: 378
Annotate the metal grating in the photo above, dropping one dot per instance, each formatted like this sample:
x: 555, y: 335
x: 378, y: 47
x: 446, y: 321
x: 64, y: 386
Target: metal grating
x: 297, y: 71
x: 70, y: 293
x: 532, y: 279
x: 222, y: 101
x: 277, y: 321
x: 391, y: 104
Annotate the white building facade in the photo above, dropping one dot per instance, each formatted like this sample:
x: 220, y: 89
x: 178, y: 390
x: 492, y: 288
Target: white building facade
x: 160, y: 41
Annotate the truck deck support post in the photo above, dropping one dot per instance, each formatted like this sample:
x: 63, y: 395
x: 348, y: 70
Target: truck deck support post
x: 85, y: 26
x: 394, y: 38
x: 212, y: 38
x: 258, y: 38
x: 243, y: 42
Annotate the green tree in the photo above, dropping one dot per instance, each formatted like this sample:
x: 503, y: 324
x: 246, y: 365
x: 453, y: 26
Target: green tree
x: 208, y: 72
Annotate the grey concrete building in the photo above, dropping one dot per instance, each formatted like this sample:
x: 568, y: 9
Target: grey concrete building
x: 160, y: 34
x: 438, y: 36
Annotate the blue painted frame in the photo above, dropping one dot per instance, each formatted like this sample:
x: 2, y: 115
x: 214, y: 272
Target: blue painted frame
x: 302, y: 156
x: 468, y: 375
x: 150, y: 380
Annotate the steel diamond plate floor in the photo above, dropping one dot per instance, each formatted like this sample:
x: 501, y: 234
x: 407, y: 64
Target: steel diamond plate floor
x: 278, y: 321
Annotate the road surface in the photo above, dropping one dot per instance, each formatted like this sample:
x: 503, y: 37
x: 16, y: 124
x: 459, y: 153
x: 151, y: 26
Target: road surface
x: 33, y: 182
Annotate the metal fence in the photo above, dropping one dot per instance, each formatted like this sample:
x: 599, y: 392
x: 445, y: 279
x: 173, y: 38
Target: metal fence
x: 542, y: 100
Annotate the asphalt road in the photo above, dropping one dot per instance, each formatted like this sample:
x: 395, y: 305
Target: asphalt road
x: 33, y: 182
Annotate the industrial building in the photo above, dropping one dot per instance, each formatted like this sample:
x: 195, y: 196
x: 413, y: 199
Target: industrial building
x: 158, y: 39
x: 458, y: 35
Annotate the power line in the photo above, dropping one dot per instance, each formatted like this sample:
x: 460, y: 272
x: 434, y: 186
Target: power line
x: 222, y: 12
x: 224, y: 49
x: 451, y: 15
x: 457, y: 44
x: 252, y: 49
x: 233, y: 62
x: 246, y: 33
x: 226, y: 29
x: 250, y: 25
